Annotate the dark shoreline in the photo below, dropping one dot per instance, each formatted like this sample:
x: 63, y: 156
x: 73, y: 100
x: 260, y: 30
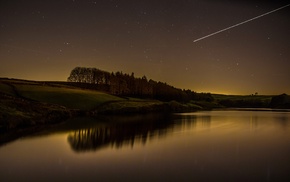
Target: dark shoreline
x: 22, y: 115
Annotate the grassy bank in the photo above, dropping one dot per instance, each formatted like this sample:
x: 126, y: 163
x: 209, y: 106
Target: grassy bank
x: 70, y: 97
x: 28, y: 103
x: 20, y: 113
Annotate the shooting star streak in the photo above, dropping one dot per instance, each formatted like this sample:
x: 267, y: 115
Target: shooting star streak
x: 233, y: 26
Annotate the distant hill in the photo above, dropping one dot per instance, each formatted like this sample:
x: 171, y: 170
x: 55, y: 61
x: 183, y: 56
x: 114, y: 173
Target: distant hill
x: 281, y: 101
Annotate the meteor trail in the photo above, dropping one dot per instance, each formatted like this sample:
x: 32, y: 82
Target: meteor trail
x: 220, y: 31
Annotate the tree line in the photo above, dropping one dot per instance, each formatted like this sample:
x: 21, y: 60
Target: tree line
x: 122, y: 84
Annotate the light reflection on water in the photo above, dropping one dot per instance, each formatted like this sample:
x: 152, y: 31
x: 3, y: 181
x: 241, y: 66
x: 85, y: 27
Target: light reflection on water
x: 200, y: 146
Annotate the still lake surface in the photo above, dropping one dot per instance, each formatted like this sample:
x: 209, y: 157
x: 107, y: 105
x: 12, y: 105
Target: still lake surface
x: 199, y: 146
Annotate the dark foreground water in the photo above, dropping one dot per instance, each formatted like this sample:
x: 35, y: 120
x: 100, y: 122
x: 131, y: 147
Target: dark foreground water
x: 200, y: 146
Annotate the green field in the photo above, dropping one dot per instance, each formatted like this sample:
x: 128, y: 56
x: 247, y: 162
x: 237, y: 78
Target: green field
x: 29, y: 103
x: 72, y: 98
x: 6, y: 89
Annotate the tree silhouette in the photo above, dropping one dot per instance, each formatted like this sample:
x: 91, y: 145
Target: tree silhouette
x: 127, y: 85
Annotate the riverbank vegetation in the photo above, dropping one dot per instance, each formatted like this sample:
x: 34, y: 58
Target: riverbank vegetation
x: 92, y: 92
x: 26, y: 103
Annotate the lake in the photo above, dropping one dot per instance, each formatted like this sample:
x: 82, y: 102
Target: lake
x: 230, y: 145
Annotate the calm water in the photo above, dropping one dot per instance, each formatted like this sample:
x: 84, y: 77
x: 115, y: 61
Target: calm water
x: 200, y: 146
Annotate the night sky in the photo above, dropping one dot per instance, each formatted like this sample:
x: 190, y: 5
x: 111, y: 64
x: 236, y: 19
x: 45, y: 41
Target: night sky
x: 45, y: 40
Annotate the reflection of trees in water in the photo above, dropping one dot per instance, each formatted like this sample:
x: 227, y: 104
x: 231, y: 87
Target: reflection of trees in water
x: 253, y: 122
x: 205, y: 120
x: 117, y: 134
x: 122, y: 133
x: 283, y: 120
x: 190, y: 121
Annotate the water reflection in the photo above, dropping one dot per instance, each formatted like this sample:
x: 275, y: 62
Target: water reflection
x: 124, y: 131
x: 200, y: 146
x: 120, y: 131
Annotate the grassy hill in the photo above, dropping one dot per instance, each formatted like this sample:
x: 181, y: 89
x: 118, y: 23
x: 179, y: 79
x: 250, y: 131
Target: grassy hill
x: 29, y: 106
x: 70, y: 97
x: 27, y: 103
x: 74, y: 97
